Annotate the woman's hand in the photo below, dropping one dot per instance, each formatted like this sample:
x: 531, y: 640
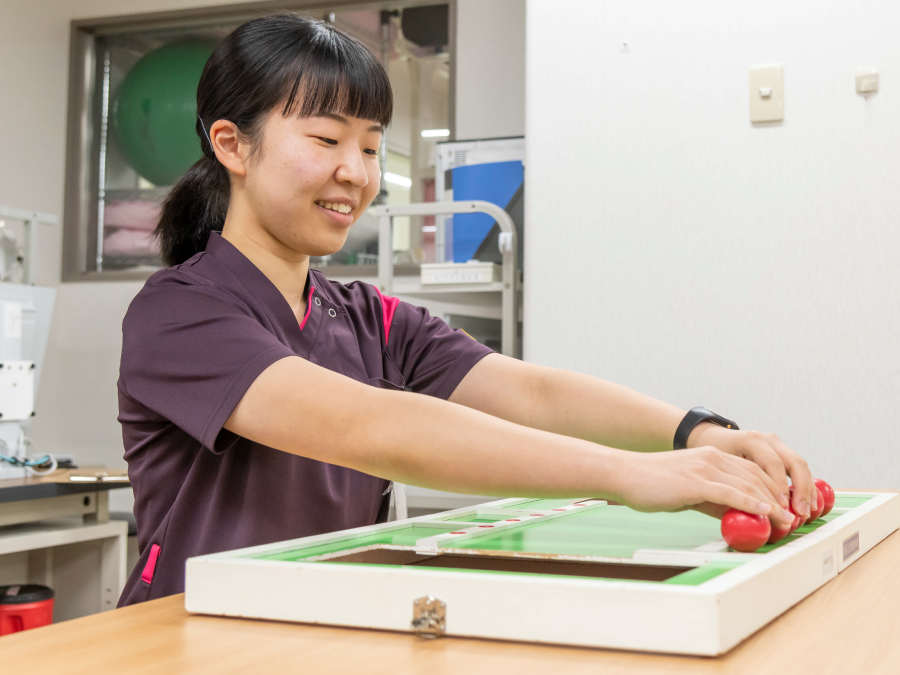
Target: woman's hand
x: 705, y: 479
x: 770, y: 454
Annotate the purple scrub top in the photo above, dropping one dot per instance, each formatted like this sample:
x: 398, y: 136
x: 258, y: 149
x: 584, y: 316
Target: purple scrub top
x: 194, y: 339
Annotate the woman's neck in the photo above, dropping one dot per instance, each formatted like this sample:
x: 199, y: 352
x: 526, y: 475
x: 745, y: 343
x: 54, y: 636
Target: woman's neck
x: 284, y: 267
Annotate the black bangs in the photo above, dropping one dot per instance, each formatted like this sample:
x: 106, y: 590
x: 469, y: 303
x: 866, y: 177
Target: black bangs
x: 301, y: 65
x: 337, y: 74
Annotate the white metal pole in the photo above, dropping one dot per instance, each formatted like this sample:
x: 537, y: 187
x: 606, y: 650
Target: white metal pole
x: 400, y: 508
x: 385, y: 253
x: 31, y: 248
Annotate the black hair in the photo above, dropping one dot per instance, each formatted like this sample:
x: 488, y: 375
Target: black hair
x: 307, y: 67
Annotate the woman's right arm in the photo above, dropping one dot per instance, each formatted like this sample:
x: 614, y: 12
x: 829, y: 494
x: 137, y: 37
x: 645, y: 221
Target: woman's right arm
x: 425, y: 441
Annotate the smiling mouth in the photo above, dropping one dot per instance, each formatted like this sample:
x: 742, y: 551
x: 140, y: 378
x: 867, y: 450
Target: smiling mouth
x: 331, y: 206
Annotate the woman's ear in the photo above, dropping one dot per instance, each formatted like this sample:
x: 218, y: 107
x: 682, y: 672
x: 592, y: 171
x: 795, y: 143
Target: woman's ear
x: 226, y: 143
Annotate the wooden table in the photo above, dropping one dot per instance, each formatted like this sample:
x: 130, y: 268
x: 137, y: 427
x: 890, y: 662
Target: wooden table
x: 55, y: 495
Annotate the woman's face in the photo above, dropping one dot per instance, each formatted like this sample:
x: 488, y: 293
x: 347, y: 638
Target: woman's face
x: 312, y: 179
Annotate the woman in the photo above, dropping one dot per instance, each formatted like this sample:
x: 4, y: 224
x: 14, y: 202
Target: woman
x: 261, y: 402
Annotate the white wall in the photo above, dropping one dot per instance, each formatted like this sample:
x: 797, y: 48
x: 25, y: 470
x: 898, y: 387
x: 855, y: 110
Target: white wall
x: 677, y: 249
x: 490, y: 68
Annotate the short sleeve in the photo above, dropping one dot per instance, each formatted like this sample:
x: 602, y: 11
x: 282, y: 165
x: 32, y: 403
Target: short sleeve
x: 190, y: 353
x: 432, y: 357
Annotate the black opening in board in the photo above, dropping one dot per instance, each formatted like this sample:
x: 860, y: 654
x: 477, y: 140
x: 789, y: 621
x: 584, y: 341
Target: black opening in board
x: 522, y: 565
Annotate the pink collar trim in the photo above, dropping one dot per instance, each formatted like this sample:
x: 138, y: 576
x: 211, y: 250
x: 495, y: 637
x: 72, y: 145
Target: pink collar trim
x: 309, y: 301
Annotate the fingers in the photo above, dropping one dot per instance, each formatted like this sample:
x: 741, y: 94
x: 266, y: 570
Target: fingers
x: 751, y: 472
x: 805, y: 493
x: 768, y: 459
x: 776, y: 459
x: 711, y: 481
x: 711, y: 509
x: 754, y: 489
x: 750, y: 489
x: 770, y: 483
x: 728, y: 495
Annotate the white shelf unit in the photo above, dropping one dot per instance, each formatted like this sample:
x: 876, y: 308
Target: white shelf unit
x: 61, y: 555
x: 69, y: 544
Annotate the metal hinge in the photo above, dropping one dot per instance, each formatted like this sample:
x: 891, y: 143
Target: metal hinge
x: 429, y: 617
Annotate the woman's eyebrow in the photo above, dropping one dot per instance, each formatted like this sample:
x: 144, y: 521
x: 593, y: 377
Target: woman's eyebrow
x: 343, y: 120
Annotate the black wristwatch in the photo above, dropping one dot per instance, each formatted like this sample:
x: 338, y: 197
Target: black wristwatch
x: 695, y: 417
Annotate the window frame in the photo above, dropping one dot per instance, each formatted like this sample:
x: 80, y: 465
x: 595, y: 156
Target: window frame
x: 80, y: 239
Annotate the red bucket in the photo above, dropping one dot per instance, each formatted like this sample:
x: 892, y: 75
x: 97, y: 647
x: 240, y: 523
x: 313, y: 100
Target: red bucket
x: 25, y: 606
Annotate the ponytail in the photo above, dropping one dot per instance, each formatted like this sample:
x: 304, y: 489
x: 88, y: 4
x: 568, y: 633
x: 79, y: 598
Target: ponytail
x: 193, y: 208
x: 304, y: 66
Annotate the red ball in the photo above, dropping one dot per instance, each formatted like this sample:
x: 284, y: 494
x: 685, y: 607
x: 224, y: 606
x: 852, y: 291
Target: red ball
x: 815, y: 512
x: 778, y: 533
x: 744, y: 531
x: 828, y: 493
x: 798, y: 518
x: 796, y: 522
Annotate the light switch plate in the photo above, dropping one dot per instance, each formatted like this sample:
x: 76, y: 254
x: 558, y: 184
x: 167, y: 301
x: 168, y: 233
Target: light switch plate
x: 867, y: 82
x: 766, y: 94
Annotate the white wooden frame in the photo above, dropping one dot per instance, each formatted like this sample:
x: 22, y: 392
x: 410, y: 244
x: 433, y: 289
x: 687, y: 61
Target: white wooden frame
x: 707, y: 619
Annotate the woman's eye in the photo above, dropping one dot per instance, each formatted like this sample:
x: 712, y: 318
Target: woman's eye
x: 330, y: 141
x: 371, y: 152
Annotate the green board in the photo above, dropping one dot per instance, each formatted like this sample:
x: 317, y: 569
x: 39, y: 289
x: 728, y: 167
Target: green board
x: 406, y: 536
x: 483, y: 518
x: 541, y: 504
x: 850, y: 501
x: 606, y: 531
x: 700, y: 575
x: 612, y: 531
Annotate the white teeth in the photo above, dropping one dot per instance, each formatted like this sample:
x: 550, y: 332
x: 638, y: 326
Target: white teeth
x: 340, y: 208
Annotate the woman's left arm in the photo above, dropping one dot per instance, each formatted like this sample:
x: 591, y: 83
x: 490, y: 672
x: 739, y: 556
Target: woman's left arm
x: 592, y: 409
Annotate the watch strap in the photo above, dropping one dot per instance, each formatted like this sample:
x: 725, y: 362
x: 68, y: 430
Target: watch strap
x: 697, y: 416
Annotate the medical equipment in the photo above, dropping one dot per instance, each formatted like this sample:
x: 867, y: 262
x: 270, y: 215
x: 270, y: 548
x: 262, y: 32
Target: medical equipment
x: 25, y: 312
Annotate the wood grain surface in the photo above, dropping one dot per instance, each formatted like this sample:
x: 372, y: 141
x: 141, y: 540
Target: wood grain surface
x: 62, y: 476
x: 849, y: 626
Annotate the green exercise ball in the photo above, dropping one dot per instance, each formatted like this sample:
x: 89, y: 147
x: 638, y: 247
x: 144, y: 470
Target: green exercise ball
x: 154, y: 111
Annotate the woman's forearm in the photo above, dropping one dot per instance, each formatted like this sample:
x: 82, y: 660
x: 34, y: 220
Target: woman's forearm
x: 568, y: 403
x: 593, y: 409
x: 435, y: 444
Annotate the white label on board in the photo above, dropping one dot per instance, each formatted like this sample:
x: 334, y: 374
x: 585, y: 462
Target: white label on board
x: 12, y: 320
x: 851, y: 545
x: 827, y: 563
